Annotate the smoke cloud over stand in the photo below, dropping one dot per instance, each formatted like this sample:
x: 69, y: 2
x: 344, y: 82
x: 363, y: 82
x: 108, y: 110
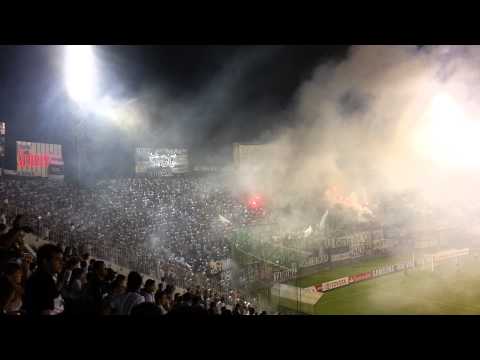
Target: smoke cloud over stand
x: 387, y: 119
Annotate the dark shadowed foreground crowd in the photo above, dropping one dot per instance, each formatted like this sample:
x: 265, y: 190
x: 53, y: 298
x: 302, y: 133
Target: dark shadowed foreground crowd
x: 52, y: 281
x: 160, y: 222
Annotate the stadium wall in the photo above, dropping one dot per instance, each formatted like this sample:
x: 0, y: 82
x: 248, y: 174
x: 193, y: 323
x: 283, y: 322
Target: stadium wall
x: 302, y: 300
x: 311, y: 270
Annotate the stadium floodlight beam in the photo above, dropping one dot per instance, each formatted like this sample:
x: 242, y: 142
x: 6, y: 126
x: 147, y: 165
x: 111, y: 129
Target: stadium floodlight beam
x: 80, y: 73
x: 81, y: 85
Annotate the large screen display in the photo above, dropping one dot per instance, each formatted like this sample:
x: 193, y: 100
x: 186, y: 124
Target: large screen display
x: 37, y: 159
x: 161, y: 162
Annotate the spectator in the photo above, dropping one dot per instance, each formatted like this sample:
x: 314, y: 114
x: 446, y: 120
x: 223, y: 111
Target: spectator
x: 118, y: 286
x: 7, y: 295
x: 84, y: 267
x: 184, y: 304
x: 163, y: 303
x: 13, y: 272
x: 221, y: 304
x: 66, y: 274
x: 148, y: 291
x: 73, y: 293
x: 213, y: 310
x: 10, y: 245
x: 74, y: 289
x: 110, y: 275
x: 91, y: 265
x: 162, y: 286
x: 146, y: 309
x: 97, y: 286
x: 124, y: 304
x: 41, y: 294
x: 237, y: 310
x: 226, y: 312
x: 170, y: 290
x: 197, y: 308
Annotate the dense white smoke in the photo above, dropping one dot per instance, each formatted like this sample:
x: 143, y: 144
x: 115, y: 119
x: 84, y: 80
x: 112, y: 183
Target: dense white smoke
x: 387, y: 119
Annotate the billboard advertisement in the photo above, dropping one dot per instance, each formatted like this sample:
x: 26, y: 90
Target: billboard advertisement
x: 330, y: 285
x: 161, y: 162
x: 37, y: 159
x: 360, y: 277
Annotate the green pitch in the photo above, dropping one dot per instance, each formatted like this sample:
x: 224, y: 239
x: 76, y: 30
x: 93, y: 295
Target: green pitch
x: 448, y: 290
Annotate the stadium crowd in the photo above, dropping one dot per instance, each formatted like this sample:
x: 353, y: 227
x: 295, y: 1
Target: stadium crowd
x: 174, y: 220
x: 56, y: 283
x: 167, y: 224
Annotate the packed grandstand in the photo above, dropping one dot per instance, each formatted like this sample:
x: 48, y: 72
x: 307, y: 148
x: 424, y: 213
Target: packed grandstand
x: 162, y: 245
x: 170, y: 230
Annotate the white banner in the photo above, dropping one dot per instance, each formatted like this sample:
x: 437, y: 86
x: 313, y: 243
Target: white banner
x: 334, y: 284
x: 358, y: 251
x: 285, y: 275
x: 388, y: 269
x: 316, y: 260
x: 340, y: 257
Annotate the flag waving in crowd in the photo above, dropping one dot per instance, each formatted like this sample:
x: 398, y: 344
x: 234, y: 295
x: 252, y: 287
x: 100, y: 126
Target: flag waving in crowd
x: 224, y: 220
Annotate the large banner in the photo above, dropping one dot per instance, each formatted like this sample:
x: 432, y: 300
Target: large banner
x: 285, y: 275
x: 37, y: 159
x: 161, y: 162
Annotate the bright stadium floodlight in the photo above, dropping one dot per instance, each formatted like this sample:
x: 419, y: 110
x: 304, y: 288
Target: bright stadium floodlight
x: 80, y: 74
x: 450, y: 136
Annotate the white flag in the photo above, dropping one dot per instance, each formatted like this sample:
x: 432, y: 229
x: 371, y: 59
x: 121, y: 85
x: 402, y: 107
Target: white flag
x: 308, y: 231
x: 224, y: 220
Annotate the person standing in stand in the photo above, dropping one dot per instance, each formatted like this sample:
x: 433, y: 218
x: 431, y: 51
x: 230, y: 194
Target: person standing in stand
x: 148, y: 291
x: 124, y: 304
x: 13, y: 272
x: 41, y: 294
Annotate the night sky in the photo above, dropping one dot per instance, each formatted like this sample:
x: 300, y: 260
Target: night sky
x: 34, y: 104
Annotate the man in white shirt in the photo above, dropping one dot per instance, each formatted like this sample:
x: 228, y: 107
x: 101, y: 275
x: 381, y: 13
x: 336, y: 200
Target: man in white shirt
x: 123, y: 304
x: 221, y: 304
